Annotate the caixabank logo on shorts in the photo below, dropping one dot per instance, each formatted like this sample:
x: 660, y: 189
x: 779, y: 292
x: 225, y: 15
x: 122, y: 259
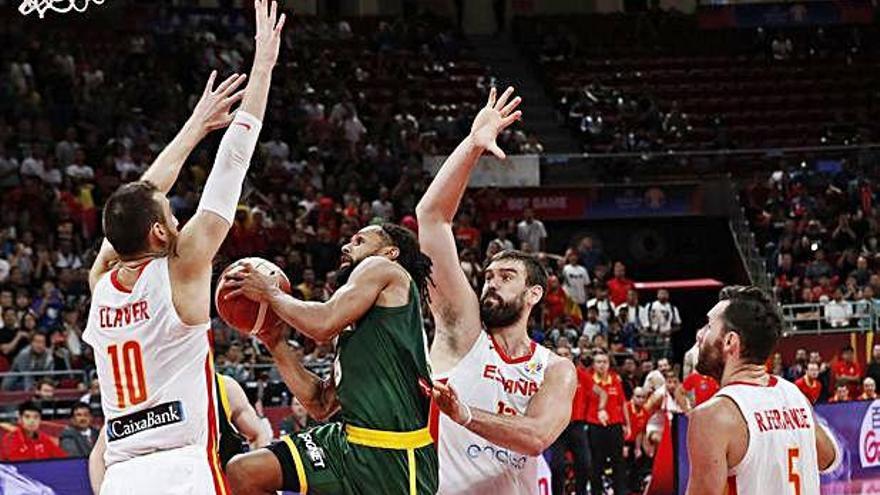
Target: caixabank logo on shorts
x: 869, y: 436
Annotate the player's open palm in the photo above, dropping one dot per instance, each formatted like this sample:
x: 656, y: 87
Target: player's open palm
x: 268, y: 38
x: 497, y: 115
x: 250, y: 283
x: 213, y: 111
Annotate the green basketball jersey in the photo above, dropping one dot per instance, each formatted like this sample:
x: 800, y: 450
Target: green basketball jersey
x: 379, y: 364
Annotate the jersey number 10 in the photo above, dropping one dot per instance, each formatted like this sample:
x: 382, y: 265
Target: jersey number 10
x: 132, y: 366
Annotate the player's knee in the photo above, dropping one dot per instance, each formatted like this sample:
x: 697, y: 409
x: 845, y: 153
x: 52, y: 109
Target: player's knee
x: 238, y: 471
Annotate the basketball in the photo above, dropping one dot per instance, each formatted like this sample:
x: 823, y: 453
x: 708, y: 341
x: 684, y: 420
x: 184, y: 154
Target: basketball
x: 247, y: 316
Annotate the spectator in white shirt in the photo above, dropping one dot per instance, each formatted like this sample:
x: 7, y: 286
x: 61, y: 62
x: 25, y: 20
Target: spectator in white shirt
x: 276, y: 148
x: 575, y: 279
x: 501, y: 238
x: 33, y: 166
x: 66, y: 258
x: 382, y: 206
x: 636, y: 313
x: 531, y: 231
x: 51, y: 174
x: 65, y: 150
x: 838, y: 312
x: 602, y: 303
x: 593, y: 325
x: 78, y: 170
x: 663, y: 317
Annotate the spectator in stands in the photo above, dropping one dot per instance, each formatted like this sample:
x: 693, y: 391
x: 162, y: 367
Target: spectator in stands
x: 93, y: 398
x: 619, y: 286
x: 234, y: 365
x: 819, y: 267
x: 593, y: 325
x: 79, y: 437
x: 838, y: 311
x: 590, y: 255
x: 602, y: 304
x: 576, y: 280
x: 809, y: 384
x: 554, y: 301
x: 869, y: 389
x: 841, y: 393
x: 27, y: 442
x: 655, y: 378
x: 799, y: 367
x: 662, y: 403
x: 861, y: 274
x: 574, y: 438
x: 606, y: 419
x: 35, y: 357
x: 636, y: 312
x: 847, y: 371
x: 663, y: 318
x: 297, y: 421
x: 12, y: 338
x: 873, y: 369
x: 531, y: 230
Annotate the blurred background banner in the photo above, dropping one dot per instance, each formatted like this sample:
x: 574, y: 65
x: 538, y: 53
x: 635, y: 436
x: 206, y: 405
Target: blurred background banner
x: 516, y: 171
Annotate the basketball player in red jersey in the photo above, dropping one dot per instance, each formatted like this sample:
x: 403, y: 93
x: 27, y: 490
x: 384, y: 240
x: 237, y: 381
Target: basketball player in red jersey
x: 757, y: 435
x: 149, y: 318
x: 505, y: 399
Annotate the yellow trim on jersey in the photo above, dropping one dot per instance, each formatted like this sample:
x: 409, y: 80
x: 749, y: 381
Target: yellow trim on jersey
x: 397, y: 440
x: 300, y: 469
x: 214, y: 455
x: 224, y: 399
x: 411, y: 460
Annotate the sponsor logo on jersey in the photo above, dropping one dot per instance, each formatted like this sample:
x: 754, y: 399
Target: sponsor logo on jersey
x: 520, y: 386
x: 313, y: 452
x: 123, y: 316
x: 497, y: 454
x: 165, y: 414
x: 869, y: 436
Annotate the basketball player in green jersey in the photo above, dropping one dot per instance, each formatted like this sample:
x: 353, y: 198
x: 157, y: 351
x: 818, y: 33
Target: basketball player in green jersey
x: 379, y: 384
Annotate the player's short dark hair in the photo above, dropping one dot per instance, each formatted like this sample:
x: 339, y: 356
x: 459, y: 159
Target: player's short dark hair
x: 29, y: 405
x: 129, y: 214
x: 671, y: 373
x: 78, y: 406
x: 411, y: 257
x: 535, y: 273
x: 753, y: 315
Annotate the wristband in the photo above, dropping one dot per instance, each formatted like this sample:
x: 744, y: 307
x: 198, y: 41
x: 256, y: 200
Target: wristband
x: 470, y: 416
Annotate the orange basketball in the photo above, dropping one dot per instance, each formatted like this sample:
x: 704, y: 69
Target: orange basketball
x: 246, y: 316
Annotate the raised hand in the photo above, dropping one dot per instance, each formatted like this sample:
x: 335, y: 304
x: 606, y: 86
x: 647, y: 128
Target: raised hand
x: 497, y: 115
x: 447, y: 401
x: 212, y: 112
x: 248, y: 282
x: 268, y: 37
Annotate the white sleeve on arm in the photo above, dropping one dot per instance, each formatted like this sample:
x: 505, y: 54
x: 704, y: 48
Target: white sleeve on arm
x: 223, y: 187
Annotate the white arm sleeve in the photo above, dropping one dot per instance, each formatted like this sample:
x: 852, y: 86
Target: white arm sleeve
x: 223, y: 187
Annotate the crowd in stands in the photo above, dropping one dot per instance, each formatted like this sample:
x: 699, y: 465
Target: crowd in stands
x: 657, y: 81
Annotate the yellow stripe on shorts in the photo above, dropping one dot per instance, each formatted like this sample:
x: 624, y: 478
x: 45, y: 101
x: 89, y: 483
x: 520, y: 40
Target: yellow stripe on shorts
x: 396, y: 440
x: 300, y: 468
x: 411, y: 460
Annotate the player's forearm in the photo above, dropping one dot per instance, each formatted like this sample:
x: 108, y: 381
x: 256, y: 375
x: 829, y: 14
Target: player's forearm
x: 519, y: 433
x: 257, y: 93
x: 306, y: 386
x: 166, y: 167
x: 441, y: 200
x: 317, y: 321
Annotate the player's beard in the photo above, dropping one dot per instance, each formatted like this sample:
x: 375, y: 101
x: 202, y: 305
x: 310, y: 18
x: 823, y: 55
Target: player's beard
x: 344, y: 272
x: 710, y: 361
x: 502, y: 313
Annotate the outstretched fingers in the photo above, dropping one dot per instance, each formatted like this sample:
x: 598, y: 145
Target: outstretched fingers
x: 504, y: 97
x: 510, y: 106
x: 493, y: 94
x: 209, y: 87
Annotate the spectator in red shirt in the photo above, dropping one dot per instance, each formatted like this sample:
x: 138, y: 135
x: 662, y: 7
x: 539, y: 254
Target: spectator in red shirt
x: 638, y: 464
x: 619, y: 286
x: 574, y: 437
x: 700, y: 388
x: 466, y: 235
x: 841, y: 394
x: 606, y: 420
x: 810, y: 384
x: 847, y: 371
x: 869, y: 389
x: 27, y: 442
x: 554, y: 301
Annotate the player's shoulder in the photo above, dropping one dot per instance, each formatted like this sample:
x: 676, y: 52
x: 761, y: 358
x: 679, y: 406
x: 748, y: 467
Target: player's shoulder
x: 720, y: 411
x: 378, y: 266
x: 562, y: 368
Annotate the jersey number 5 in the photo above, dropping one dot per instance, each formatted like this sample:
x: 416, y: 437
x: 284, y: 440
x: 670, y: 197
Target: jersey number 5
x: 794, y: 478
x: 133, y: 368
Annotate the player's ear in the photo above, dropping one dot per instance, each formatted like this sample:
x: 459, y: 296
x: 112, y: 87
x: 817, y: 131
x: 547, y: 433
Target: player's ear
x: 535, y: 294
x: 392, y: 252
